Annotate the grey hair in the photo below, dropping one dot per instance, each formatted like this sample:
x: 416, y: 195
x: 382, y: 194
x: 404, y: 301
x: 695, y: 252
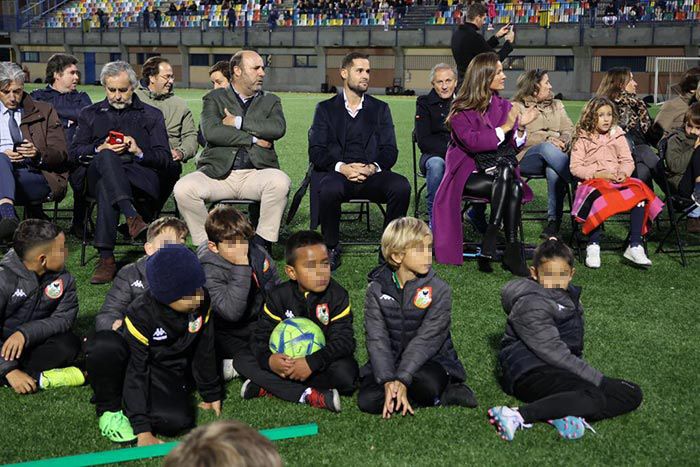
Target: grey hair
x: 112, y: 69
x: 10, y: 73
x: 441, y: 66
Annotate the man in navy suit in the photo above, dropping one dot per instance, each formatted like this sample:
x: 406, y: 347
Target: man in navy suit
x: 352, y: 147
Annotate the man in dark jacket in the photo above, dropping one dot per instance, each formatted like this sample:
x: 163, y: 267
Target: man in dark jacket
x: 240, y: 124
x: 352, y: 146
x: 62, y: 77
x: 431, y: 132
x: 132, y: 160
x: 38, y: 306
x: 467, y: 41
x: 33, y: 151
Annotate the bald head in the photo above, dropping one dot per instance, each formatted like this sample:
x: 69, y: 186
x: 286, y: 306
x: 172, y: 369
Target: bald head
x: 247, y: 72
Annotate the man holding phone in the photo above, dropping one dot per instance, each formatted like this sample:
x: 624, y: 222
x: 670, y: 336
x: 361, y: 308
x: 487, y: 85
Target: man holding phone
x: 128, y: 144
x: 33, y: 151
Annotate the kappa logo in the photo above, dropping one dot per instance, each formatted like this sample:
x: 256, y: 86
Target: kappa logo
x: 561, y: 307
x: 289, y: 314
x: 19, y: 293
x: 387, y: 297
x: 160, y: 334
x: 138, y: 284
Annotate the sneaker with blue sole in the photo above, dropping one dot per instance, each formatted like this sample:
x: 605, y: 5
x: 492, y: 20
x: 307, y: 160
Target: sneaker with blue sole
x: 571, y: 427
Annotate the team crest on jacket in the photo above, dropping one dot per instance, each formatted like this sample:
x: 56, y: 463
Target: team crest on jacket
x: 54, y: 290
x: 322, y: 313
x: 266, y: 265
x: 195, y: 325
x: 423, y: 298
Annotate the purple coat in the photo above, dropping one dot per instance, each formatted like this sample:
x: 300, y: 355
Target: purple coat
x: 472, y: 132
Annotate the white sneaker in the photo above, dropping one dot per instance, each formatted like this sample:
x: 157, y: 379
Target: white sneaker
x: 637, y: 255
x: 228, y: 371
x: 593, y: 256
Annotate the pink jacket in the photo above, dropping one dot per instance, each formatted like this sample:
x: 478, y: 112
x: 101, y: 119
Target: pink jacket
x: 595, y: 153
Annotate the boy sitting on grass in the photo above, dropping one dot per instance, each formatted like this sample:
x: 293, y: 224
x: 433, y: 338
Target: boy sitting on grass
x: 318, y: 379
x: 38, y: 306
x: 408, y: 313
x: 239, y: 274
x: 107, y: 353
x: 171, y: 348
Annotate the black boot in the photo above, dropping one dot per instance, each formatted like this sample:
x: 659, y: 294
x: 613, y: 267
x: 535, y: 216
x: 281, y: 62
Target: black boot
x: 552, y: 229
x: 489, y: 242
x: 514, y: 261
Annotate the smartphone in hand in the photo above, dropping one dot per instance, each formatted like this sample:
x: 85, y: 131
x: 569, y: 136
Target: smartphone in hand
x: 115, y: 138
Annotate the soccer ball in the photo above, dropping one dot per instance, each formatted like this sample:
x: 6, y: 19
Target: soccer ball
x: 297, y: 337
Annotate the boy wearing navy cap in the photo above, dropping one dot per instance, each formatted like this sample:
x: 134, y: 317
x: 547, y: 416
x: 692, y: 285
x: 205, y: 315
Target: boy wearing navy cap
x: 171, y: 342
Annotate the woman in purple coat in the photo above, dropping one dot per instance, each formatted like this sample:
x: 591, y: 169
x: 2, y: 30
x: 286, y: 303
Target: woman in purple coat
x: 481, y: 163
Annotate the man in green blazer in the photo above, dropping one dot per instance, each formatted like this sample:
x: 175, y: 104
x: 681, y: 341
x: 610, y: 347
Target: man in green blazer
x: 240, y: 124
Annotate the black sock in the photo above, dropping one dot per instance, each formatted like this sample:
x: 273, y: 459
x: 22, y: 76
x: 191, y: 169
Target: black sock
x: 127, y: 208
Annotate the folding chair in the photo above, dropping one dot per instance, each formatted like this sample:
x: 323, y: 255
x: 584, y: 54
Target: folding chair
x: 472, y: 250
x: 541, y: 214
x: 362, y: 212
x: 417, y: 191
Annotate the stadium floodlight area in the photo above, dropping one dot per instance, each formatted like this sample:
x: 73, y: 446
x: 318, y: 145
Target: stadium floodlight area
x: 669, y: 70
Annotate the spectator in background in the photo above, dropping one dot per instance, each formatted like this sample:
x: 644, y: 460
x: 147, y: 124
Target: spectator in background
x: 62, y: 79
x: 672, y: 111
x: 102, y: 17
x: 610, y: 15
x: 231, y: 16
x: 146, y: 15
x: 593, y: 11
x: 431, y: 133
x: 220, y: 74
x: 172, y: 10
x: 157, y: 18
x: 467, y: 41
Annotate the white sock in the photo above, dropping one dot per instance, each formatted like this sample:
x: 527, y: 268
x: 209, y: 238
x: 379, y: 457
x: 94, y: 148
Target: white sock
x: 304, y: 395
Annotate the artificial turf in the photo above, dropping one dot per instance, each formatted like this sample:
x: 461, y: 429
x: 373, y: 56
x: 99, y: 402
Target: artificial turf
x: 640, y: 326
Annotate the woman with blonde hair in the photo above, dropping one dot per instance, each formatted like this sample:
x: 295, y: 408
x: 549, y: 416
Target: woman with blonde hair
x: 548, y: 139
x: 481, y: 163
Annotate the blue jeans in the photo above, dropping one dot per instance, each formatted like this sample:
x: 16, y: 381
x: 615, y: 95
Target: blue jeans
x: 434, y: 170
x: 20, y: 183
x: 548, y: 160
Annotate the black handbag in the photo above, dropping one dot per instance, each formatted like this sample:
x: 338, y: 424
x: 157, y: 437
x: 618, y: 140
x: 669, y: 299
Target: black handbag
x: 504, y: 155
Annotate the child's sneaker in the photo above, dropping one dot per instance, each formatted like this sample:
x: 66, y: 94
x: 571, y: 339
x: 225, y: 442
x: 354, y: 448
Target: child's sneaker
x: 328, y: 399
x: 637, y: 255
x: 696, y: 197
x: 458, y: 394
x: 507, y: 421
x: 593, y: 256
x: 116, y: 427
x: 227, y: 370
x: 571, y: 427
x: 61, y: 377
x: 250, y: 390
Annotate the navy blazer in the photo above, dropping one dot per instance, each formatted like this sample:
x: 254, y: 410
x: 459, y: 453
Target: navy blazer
x: 327, y: 133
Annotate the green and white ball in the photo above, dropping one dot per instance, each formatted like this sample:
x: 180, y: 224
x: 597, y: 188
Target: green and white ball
x: 297, y: 337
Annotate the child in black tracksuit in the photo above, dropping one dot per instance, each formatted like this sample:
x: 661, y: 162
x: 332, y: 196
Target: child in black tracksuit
x: 408, y: 312
x: 107, y: 352
x: 319, y: 378
x: 170, y: 335
x: 542, y: 354
x: 239, y: 275
x: 38, y: 306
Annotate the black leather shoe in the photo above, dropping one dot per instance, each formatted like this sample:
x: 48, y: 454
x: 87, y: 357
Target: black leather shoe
x: 8, y: 225
x: 334, y: 257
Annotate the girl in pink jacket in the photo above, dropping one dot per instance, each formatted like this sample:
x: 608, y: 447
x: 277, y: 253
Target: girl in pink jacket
x: 601, y: 159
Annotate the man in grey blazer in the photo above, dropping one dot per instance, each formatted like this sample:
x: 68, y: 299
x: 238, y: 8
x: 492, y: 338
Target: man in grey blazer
x: 240, y: 124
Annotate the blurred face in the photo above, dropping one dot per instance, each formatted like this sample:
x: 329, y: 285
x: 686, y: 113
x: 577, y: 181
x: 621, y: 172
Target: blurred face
x: 499, y: 81
x: 48, y: 257
x: 691, y: 130
x: 444, y: 83
x: 248, y: 77
x: 163, y: 82
x: 11, y: 95
x: 312, y: 269
x: 545, y: 89
x: 417, y: 259
x: 218, y: 80
x: 67, y: 80
x: 631, y: 86
x: 188, y: 304
x: 604, y: 119
x: 166, y: 237
x: 356, y: 76
x: 231, y: 250
x: 119, y: 90
x: 553, y: 274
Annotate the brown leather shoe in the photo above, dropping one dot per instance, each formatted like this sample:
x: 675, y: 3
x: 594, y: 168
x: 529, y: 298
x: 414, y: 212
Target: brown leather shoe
x: 137, y: 227
x: 105, y: 271
x: 693, y: 225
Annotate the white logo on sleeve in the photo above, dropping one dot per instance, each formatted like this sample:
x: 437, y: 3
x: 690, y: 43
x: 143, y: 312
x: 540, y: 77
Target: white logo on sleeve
x: 387, y: 297
x: 138, y: 284
x: 160, y: 335
x: 19, y: 293
x: 289, y: 314
x: 561, y: 307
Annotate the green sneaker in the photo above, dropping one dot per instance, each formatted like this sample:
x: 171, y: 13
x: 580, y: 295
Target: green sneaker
x: 61, y: 377
x: 116, y: 427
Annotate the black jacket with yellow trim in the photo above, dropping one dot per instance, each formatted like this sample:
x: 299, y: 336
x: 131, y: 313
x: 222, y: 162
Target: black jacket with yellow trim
x: 330, y: 310
x: 179, y: 343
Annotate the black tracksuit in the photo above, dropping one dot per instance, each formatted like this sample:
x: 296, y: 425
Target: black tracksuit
x: 170, y: 353
x: 334, y: 366
x: 43, y: 309
x: 542, y: 358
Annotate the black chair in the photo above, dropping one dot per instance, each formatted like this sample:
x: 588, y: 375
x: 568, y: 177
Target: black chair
x: 472, y: 249
x: 251, y: 206
x: 541, y: 214
x: 417, y: 190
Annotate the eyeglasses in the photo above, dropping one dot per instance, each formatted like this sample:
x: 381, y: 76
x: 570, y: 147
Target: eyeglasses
x: 167, y: 77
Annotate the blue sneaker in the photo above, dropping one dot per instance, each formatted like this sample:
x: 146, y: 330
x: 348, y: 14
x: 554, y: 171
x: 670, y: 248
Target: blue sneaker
x: 507, y: 421
x: 571, y: 427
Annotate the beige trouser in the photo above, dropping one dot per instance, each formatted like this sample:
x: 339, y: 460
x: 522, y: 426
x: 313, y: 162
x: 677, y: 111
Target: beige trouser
x: 269, y: 186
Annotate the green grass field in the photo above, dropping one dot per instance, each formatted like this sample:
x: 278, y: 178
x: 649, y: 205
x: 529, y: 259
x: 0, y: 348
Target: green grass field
x: 640, y: 326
